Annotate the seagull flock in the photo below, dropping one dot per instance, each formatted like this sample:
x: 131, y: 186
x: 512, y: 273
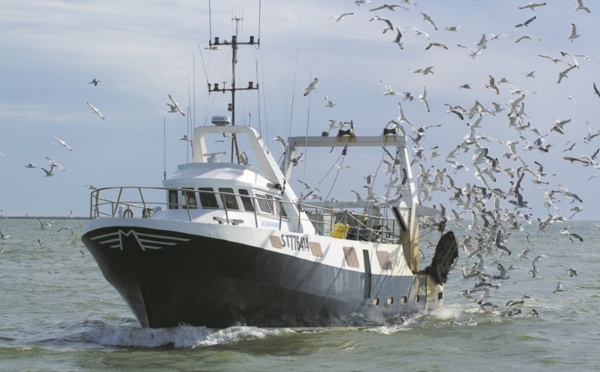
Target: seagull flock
x: 486, y: 186
x: 490, y: 185
x: 49, y: 171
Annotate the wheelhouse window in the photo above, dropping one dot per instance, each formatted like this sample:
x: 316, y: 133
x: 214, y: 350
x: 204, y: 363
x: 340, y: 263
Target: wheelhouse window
x: 263, y: 204
x: 228, y: 198
x: 208, y: 198
x: 246, y: 200
x: 173, y: 202
x: 275, y: 204
x: 189, y: 196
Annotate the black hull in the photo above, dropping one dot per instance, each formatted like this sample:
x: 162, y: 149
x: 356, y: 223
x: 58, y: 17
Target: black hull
x: 202, y: 281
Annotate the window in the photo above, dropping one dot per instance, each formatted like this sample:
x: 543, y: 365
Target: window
x: 271, y: 204
x: 228, y: 198
x: 189, y: 196
x: 263, y: 204
x: 208, y: 198
x: 246, y: 200
x: 276, y: 206
x: 173, y: 199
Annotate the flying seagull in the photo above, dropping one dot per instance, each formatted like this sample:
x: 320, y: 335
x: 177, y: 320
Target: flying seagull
x: 596, y: 89
x: 423, y: 98
x: 388, y: 89
x: 388, y: 6
x: 563, y: 73
x: 428, y: 19
x: 175, y: 106
x: 63, y: 143
x: 527, y: 22
x: 48, y: 172
x: 95, y: 110
x: 55, y: 164
x: 580, y: 6
x: 387, y: 22
x: 573, y: 34
x: 341, y: 16
x: 532, y: 6
x: 398, y: 38
x: 330, y: 102
x: 312, y: 86
x: 95, y: 82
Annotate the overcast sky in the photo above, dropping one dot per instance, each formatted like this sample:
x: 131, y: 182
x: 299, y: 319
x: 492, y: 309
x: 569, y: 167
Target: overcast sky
x: 142, y: 51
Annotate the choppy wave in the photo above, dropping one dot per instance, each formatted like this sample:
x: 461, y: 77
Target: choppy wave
x: 132, y: 335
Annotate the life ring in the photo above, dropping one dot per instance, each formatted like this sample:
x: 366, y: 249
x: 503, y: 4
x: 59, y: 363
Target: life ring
x: 128, y: 213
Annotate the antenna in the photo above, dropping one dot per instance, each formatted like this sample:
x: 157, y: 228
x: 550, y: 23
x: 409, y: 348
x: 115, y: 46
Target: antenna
x: 164, y: 148
x: 237, y: 20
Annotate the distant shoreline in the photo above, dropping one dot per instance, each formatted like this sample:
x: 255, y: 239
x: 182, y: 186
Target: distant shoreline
x: 44, y: 218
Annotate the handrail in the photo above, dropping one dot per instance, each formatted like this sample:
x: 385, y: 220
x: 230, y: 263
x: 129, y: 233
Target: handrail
x: 378, y: 228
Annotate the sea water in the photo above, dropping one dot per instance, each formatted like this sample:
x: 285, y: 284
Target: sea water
x: 57, y: 313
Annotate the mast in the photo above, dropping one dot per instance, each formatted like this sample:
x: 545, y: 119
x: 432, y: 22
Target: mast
x: 234, y: 43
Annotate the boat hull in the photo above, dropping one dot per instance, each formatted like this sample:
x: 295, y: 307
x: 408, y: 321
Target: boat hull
x: 169, y: 278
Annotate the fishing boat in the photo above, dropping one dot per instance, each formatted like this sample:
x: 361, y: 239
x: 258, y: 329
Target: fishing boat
x: 227, y: 241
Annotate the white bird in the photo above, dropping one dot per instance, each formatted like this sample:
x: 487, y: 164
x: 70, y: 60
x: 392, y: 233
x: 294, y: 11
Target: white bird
x: 398, y: 38
x: 177, y: 108
x: 184, y: 137
x: 3, y: 236
x: 390, y: 167
x: 48, y: 172
x: 298, y: 159
x: 44, y: 224
x: 95, y: 82
x: 428, y: 19
x: 527, y: 22
x: 388, y: 89
x: 95, y: 110
x: 423, y: 98
x: 527, y: 37
x: 312, y: 86
x: 282, y: 141
x: 532, y: 6
x: 580, y: 6
x: 387, y: 22
x: 63, y: 143
x: 55, y: 164
x: 420, y: 32
x: 424, y: 71
x: 439, y: 45
x: 330, y: 102
x: 388, y: 6
x: 402, y: 118
x: 341, y: 16
x: 573, y: 35
x: 563, y: 73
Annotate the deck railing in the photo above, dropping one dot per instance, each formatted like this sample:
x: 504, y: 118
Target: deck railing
x: 143, y: 202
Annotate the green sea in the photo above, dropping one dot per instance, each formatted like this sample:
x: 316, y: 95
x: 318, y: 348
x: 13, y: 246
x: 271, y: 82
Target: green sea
x: 57, y: 313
